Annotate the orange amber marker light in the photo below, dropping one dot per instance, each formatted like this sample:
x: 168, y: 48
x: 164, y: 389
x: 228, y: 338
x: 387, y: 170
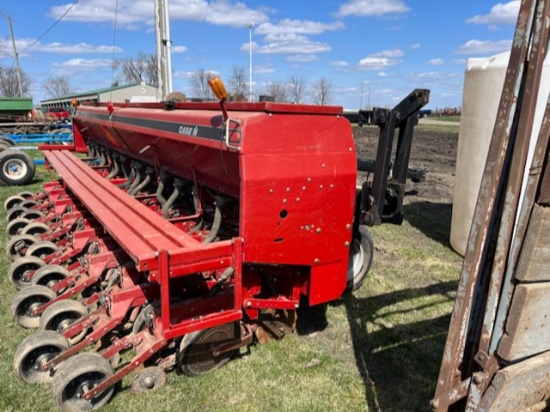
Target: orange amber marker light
x: 74, y: 102
x: 218, y: 88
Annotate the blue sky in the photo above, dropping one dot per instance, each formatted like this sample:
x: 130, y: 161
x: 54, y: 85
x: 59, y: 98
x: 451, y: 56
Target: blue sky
x: 384, y: 47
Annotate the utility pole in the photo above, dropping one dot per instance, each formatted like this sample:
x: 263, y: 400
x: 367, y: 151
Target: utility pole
x: 164, y: 57
x: 16, y: 59
x: 250, y: 26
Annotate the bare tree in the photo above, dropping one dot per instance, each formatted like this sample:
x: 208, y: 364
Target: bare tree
x: 278, y: 90
x: 142, y: 68
x: 8, y: 82
x: 199, y: 84
x: 58, y: 86
x: 322, y: 91
x: 237, y: 81
x: 297, y: 88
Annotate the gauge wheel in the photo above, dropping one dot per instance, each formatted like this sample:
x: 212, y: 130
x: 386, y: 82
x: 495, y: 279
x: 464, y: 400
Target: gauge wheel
x: 60, y: 315
x: 23, y: 270
x: 195, y: 356
x: 76, y: 376
x: 148, y: 380
x: 360, y: 258
x: 26, y: 301
x: 32, y: 214
x: 34, y: 351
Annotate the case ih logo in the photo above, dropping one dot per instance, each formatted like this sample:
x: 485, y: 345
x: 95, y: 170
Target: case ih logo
x: 188, y: 130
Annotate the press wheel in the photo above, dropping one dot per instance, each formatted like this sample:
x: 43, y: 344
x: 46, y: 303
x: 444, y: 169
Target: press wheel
x: 13, y: 201
x: 34, y: 351
x: 35, y: 229
x: 26, y: 301
x: 76, y: 376
x: 16, y: 226
x: 60, y: 315
x: 41, y: 249
x: 49, y: 275
x: 195, y: 355
x: 17, y: 246
x: 23, y: 270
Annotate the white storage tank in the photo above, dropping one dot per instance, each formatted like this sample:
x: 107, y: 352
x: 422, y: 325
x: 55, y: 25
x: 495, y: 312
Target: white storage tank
x: 483, y: 83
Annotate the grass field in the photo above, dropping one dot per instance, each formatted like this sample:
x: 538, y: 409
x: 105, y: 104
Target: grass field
x: 377, y: 350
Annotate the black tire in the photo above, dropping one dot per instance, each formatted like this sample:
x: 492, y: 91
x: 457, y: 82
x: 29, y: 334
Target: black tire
x: 35, y: 228
x: 28, y: 299
x: 361, y: 252
x: 13, y: 201
x: 29, y: 203
x: 27, y: 195
x: 81, y: 371
x: 60, y: 315
x: 41, y: 249
x: 16, y: 227
x: 16, y: 167
x: 35, y: 349
x: 49, y: 275
x: 21, y: 272
x: 18, y: 245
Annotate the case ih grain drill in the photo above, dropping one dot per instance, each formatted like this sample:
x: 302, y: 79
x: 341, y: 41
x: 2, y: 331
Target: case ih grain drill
x: 192, y: 230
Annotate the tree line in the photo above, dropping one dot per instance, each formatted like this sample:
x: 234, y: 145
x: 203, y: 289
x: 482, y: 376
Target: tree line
x: 143, y: 68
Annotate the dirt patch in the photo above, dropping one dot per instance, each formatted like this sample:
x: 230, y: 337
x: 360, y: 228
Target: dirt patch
x: 433, y: 150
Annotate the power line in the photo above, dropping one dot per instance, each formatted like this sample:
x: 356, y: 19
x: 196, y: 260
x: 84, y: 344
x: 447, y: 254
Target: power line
x: 51, y: 27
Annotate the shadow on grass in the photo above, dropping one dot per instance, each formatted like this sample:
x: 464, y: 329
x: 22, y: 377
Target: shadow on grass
x: 399, y: 363
x: 432, y: 219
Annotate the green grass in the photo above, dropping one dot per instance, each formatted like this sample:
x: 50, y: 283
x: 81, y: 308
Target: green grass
x: 377, y: 350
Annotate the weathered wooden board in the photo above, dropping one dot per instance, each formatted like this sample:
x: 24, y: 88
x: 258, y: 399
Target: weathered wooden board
x: 534, y: 260
x: 518, y: 387
x: 527, y: 330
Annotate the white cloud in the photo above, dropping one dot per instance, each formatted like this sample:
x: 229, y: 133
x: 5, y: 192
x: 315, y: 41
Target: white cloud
x: 304, y: 47
x: 298, y: 26
x: 303, y: 58
x: 382, y: 74
x: 371, y: 8
x: 415, y: 46
x: 339, y: 63
x: 132, y: 13
x: 63, y: 48
x: 263, y: 69
x: 178, y: 49
x: 381, y: 60
x: 501, y: 13
x: 484, y: 47
x: 437, y: 62
x: 79, y: 65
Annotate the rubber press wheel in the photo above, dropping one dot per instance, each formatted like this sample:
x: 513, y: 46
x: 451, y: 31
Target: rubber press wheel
x: 34, y: 351
x: 49, y: 275
x: 41, y: 249
x: 26, y: 301
x: 23, y: 270
x: 18, y: 246
x: 195, y: 356
x: 35, y: 228
x: 15, y: 212
x: 16, y: 167
x: 76, y: 376
x: 60, y: 315
x: 13, y: 201
x: 16, y: 226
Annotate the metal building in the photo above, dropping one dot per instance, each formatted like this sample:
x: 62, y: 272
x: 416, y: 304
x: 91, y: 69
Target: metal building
x: 130, y: 92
